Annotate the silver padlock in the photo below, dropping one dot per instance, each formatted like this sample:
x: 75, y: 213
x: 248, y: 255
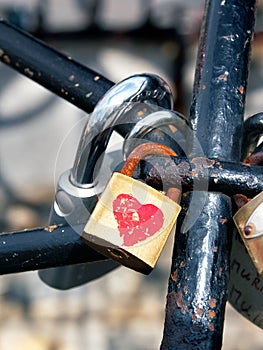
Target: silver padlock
x: 78, y: 189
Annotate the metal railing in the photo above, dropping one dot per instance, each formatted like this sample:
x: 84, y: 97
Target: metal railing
x: 197, y: 291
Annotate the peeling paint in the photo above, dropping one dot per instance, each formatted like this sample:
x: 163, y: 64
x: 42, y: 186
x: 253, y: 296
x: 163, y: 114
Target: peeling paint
x: 51, y: 228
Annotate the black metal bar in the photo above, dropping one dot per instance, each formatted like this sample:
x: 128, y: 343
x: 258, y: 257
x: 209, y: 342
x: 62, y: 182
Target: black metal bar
x: 43, y: 248
x: 60, y: 245
x: 227, y: 177
x: 58, y: 73
x: 197, y: 290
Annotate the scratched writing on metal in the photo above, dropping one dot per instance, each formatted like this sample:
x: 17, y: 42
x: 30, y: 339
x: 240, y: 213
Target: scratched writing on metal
x: 246, y: 285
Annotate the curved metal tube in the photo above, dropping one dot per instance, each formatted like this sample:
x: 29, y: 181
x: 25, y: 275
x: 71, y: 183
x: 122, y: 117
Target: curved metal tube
x: 111, y: 111
x: 156, y: 120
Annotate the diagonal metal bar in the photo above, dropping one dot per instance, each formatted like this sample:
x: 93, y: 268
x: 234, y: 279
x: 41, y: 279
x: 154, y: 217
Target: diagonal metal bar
x: 197, y: 290
x: 53, y: 70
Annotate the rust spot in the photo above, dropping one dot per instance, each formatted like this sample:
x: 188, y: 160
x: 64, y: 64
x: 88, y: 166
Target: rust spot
x: 179, y: 299
x: 203, y: 163
x: 194, y: 317
x: 174, y: 275
x: 140, y: 152
x: 182, y: 264
x: 212, y: 303
x: 240, y: 200
x: 212, y: 314
x: 185, y: 289
x: 211, y: 327
x: 174, y: 194
x: 223, y: 220
x: 223, y: 77
x: 199, y: 311
x: 203, y: 87
x: 241, y: 89
x: 50, y: 228
x: 256, y: 159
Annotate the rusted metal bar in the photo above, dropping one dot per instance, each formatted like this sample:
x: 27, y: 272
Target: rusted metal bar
x: 220, y: 176
x: 197, y: 290
x: 53, y: 70
x: 39, y: 248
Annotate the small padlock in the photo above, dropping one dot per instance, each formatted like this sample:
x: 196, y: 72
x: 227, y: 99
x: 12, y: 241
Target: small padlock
x: 249, y: 222
x: 132, y: 221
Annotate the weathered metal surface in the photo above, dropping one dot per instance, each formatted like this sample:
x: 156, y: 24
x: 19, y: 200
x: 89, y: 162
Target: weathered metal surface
x: 60, y: 74
x: 227, y: 177
x: 199, y: 275
x: 41, y: 248
x: 197, y: 290
x: 197, y: 284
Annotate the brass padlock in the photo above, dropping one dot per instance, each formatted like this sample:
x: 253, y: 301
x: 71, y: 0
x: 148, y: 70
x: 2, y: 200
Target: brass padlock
x: 249, y: 222
x: 132, y: 221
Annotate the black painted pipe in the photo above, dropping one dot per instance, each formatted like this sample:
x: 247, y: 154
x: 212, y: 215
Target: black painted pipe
x: 197, y: 291
x: 43, y: 248
x: 227, y: 177
x: 58, y: 73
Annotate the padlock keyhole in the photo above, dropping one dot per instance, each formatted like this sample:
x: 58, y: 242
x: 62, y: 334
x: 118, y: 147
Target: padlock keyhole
x: 118, y: 253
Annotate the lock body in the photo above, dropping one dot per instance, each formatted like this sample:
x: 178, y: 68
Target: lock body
x: 131, y: 223
x: 249, y: 222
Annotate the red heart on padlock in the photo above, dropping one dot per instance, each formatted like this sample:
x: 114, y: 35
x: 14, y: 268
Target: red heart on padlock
x: 136, y: 221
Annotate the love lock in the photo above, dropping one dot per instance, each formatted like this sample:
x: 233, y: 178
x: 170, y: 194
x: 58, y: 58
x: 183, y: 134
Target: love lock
x: 249, y: 222
x: 132, y: 221
x: 78, y: 189
x: 245, y: 286
x: 121, y: 107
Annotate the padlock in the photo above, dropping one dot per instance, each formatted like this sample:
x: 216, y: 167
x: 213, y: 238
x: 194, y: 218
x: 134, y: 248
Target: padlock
x: 249, y: 222
x: 132, y: 221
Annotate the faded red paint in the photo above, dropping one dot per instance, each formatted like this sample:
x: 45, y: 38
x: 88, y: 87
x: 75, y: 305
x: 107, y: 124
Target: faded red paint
x: 136, y: 221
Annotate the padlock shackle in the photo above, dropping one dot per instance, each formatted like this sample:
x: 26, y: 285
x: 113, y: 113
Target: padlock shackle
x: 157, y: 120
x: 145, y: 149
x: 107, y: 115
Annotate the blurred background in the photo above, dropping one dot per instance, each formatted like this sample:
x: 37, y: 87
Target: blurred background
x: 39, y: 135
